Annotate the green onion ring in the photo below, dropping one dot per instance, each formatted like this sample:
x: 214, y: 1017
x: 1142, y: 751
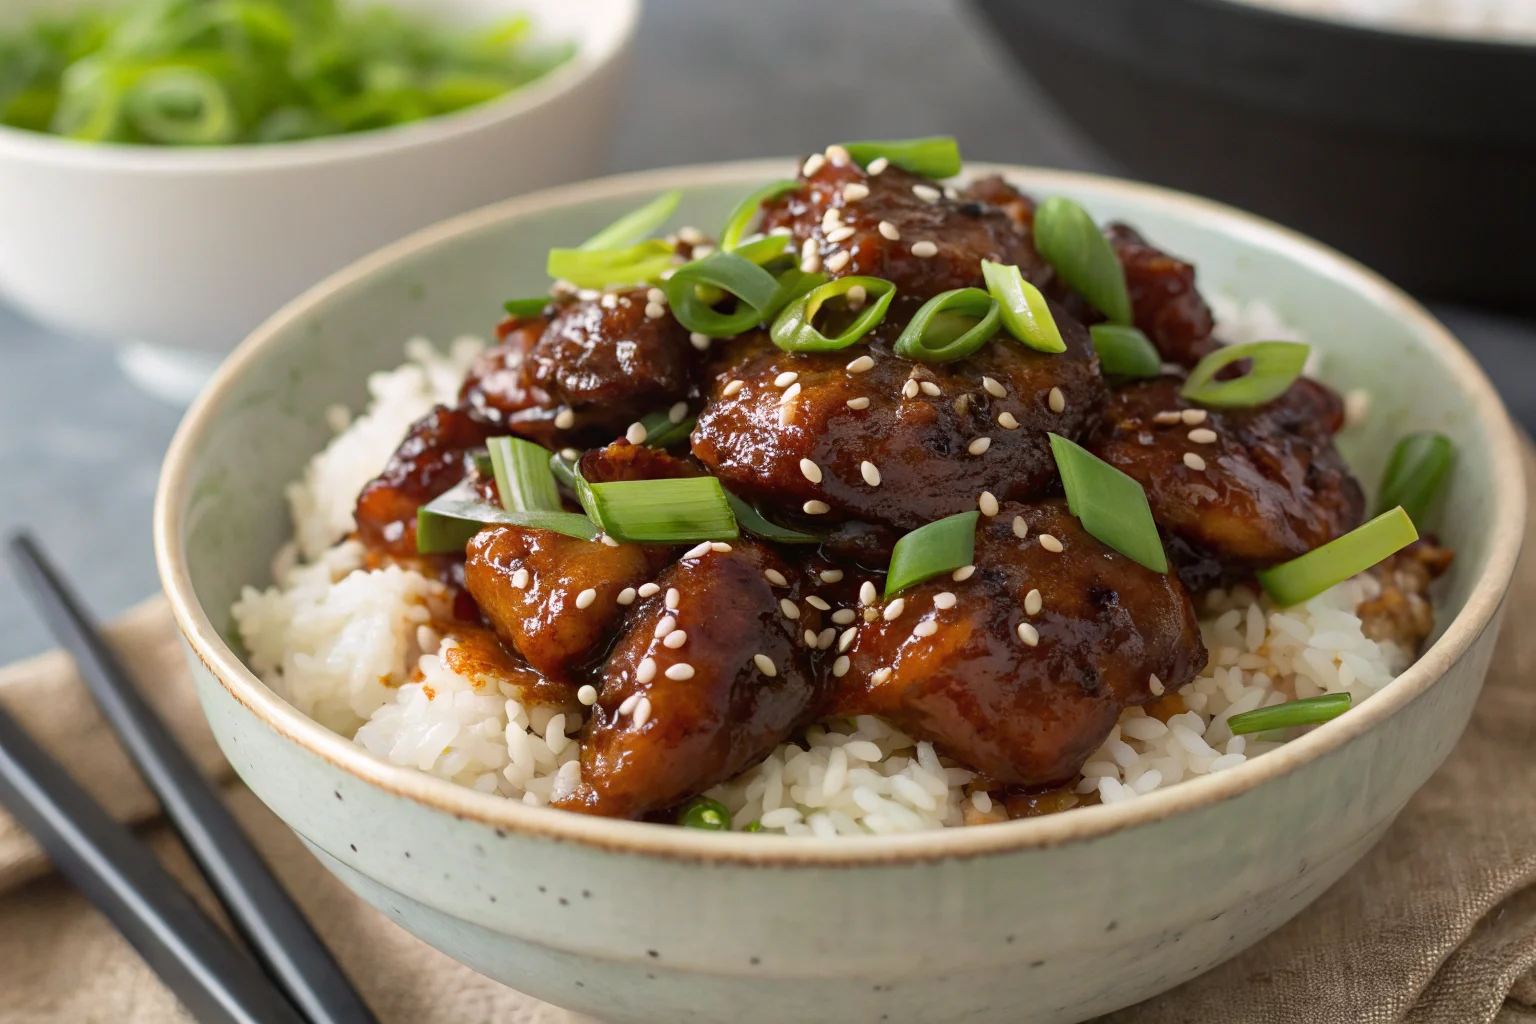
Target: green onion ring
x: 936, y: 156
x: 1302, y: 579
x: 928, y: 551
x: 765, y: 250
x: 183, y: 106
x: 1072, y: 244
x: 706, y: 813
x: 1417, y: 468
x: 752, y: 521
x: 523, y: 477
x: 445, y: 524
x: 1024, y: 310
x: 1125, y: 351
x: 1276, y: 365
x: 635, y: 225
x: 950, y: 326
x: 1110, y: 505
x: 736, y: 224
x: 1306, y: 711
x: 795, y: 330
x: 753, y: 287
x: 636, y: 264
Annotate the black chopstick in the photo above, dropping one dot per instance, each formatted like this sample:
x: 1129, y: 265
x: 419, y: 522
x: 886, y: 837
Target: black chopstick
x: 214, y: 980
x: 260, y: 908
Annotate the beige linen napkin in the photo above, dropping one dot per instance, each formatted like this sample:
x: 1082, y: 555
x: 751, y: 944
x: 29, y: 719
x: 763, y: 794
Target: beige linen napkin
x: 1437, y: 925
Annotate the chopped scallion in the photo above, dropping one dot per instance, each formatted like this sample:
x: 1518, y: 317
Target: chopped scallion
x: 941, y: 546
x: 660, y: 511
x: 635, y: 225
x: 1418, y: 466
x: 736, y: 224
x: 753, y: 288
x: 661, y: 432
x: 936, y: 156
x: 600, y: 268
x: 769, y: 249
x: 1024, y: 310
x: 795, y: 329
x: 1125, y: 351
x: 1072, y: 244
x: 1275, y: 367
x: 445, y: 524
x: 1306, y: 711
x: 1110, y: 505
x: 525, y: 309
x: 523, y: 477
x: 703, y: 812
x: 950, y: 326
x: 1302, y: 579
x: 565, y: 472
x: 752, y: 521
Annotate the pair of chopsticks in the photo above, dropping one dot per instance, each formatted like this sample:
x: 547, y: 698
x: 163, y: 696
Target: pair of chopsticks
x: 293, y: 979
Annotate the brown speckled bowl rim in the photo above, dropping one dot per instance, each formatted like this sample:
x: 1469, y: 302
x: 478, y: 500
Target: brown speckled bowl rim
x: 1082, y: 824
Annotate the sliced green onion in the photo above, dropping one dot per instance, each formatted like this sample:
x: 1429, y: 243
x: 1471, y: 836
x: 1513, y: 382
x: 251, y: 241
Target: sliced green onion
x: 950, y: 326
x: 1071, y: 243
x: 1110, y: 505
x: 752, y: 521
x: 795, y: 329
x: 936, y: 156
x: 634, y: 225
x: 636, y: 264
x: 794, y: 283
x: 941, y: 546
x: 1418, y: 466
x: 565, y: 472
x: 1307, y: 711
x: 525, y: 309
x: 736, y: 224
x: 753, y: 826
x: 1302, y: 579
x: 660, y: 511
x: 753, y: 287
x: 182, y: 106
x: 1125, y: 351
x: 702, y: 812
x: 661, y: 432
x: 523, y: 477
x: 483, y: 464
x: 1276, y: 365
x: 445, y: 524
x: 765, y: 250
x: 1024, y: 310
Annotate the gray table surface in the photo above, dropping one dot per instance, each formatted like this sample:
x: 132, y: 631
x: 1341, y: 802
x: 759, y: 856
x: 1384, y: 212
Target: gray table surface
x: 80, y: 448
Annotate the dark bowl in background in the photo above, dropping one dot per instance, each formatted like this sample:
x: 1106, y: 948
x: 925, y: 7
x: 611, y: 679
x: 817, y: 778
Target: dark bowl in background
x: 1416, y: 154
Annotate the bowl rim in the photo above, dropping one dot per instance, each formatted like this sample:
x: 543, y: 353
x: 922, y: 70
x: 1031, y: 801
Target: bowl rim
x: 1507, y: 526
x: 1473, y: 43
x: 615, y: 33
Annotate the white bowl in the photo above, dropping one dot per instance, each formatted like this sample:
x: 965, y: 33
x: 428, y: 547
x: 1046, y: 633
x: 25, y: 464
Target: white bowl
x: 189, y: 249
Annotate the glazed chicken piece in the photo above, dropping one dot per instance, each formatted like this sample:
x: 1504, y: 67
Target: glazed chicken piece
x: 431, y: 459
x: 1164, y: 301
x: 912, y: 454
x: 960, y: 232
x: 604, y: 362
x: 1022, y: 712
x: 673, y: 719
x: 1239, y: 488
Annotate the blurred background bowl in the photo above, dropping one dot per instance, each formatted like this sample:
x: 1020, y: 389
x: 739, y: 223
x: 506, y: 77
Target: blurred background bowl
x: 176, y: 254
x: 1415, y: 153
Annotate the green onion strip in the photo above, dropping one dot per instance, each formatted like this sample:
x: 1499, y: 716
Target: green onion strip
x: 1074, y: 246
x: 601, y: 268
x: 1025, y: 312
x: 755, y: 291
x: 950, y: 326
x: 526, y: 309
x: 928, y: 551
x: 1110, y: 505
x: 1125, y: 351
x: 1302, y: 579
x: 937, y: 156
x: 523, y: 477
x: 1306, y: 711
x: 636, y: 225
x: 671, y: 511
x: 752, y: 521
x: 795, y: 329
x: 1415, y: 472
x: 445, y: 524
x: 747, y: 210
x: 1275, y: 367
x: 661, y: 431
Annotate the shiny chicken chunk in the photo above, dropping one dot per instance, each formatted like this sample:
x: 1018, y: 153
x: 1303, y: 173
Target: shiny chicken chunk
x: 1025, y: 710
x: 673, y: 719
x: 1164, y: 301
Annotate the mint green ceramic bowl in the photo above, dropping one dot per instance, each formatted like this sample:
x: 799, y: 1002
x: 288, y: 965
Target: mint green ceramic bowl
x: 1048, y: 919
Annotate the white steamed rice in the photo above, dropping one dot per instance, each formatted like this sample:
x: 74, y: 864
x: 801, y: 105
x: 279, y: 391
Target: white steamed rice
x: 355, y: 649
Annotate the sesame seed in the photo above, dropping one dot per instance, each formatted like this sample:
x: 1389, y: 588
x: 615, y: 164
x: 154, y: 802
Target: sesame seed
x: 816, y: 508
x: 963, y: 573
x: 831, y: 219
x: 846, y: 640
x: 993, y: 388
x: 860, y: 364
x: 682, y: 670
x: 765, y: 665
x: 520, y: 579
x: 1020, y: 527
x: 927, y: 193
x: 775, y: 577
x: 1202, y: 435
x: 629, y: 703
x: 1033, y: 602
x: 840, y: 666
x: 719, y: 547
x: 1194, y: 461
x: 962, y: 404
x: 1057, y: 400
x: 838, y: 155
x: 667, y: 624
x: 870, y: 472
x: 1155, y: 685
x: 1357, y: 406
x: 878, y: 165
x: 646, y: 670
x: 837, y: 261
x: 889, y: 230
x: 810, y: 264
x: 656, y: 294
x: 1193, y: 417
x: 944, y: 600
x: 587, y: 694
x: 840, y: 234
x: 818, y: 603
x: 674, y: 598
x: 699, y: 341
x: 831, y: 575
x: 1167, y: 416
x: 924, y: 249
x: 790, y: 393
x: 824, y: 640
x: 867, y: 594
x: 731, y: 388
x: 609, y: 301
x: 588, y: 294
x: 909, y: 389
x: 608, y: 542
x: 881, y: 676
x: 677, y: 413
x: 626, y: 596
x: 894, y: 609
x: 570, y: 454
x: 809, y: 636
x: 813, y: 163
x: 950, y: 192
x: 675, y: 639
x: 655, y: 310
x: 565, y: 419
x: 929, y: 388
x: 859, y: 404
x: 979, y: 446
x: 855, y: 296
x: 788, y: 608
x: 1029, y: 634
x: 1050, y: 543
x: 927, y: 627
x: 871, y: 614
x: 785, y: 379
x: 697, y: 551
x: 649, y: 590
x: 843, y: 616
x: 1007, y: 421
x: 585, y: 598
x: 642, y: 712
x: 636, y: 434
x: 987, y: 503
x: 854, y: 191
